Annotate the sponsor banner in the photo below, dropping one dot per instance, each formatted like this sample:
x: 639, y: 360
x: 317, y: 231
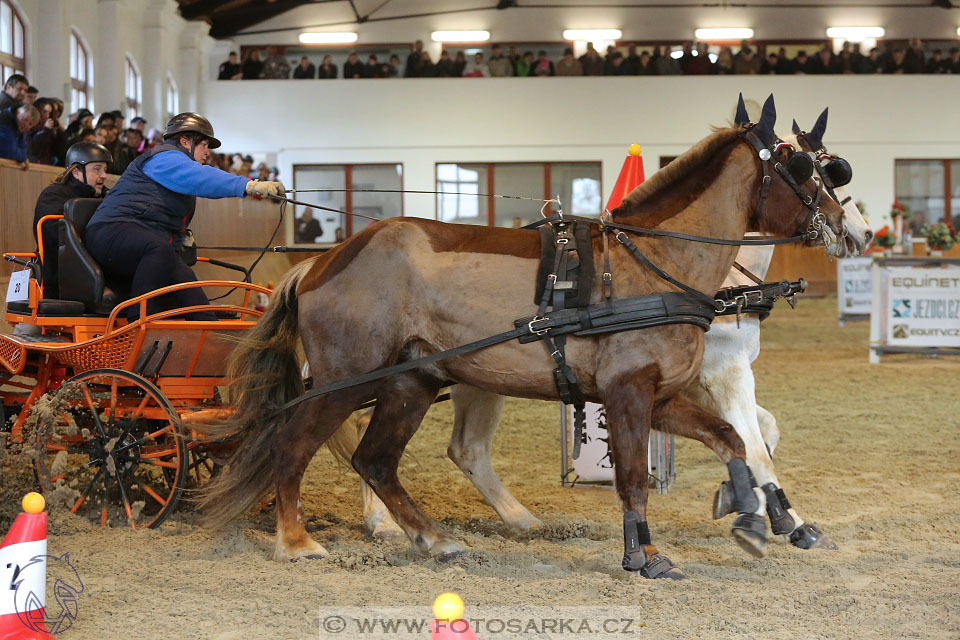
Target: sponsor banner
x: 594, y: 463
x: 923, y: 307
x: 854, y: 286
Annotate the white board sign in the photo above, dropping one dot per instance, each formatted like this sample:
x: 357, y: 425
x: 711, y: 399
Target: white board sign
x: 19, y: 288
x: 594, y: 463
x: 854, y: 286
x: 923, y: 307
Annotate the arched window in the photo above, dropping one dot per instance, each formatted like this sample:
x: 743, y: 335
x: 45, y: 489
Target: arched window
x: 12, y: 42
x: 133, y: 90
x: 173, y: 98
x: 81, y: 73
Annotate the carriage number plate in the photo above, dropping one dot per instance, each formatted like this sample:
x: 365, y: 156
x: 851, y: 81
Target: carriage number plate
x: 19, y: 288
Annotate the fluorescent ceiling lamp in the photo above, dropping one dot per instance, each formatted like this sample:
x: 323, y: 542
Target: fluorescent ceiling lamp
x: 592, y: 35
x: 460, y: 36
x: 328, y: 37
x: 729, y: 33
x: 855, y: 33
x: 958, y: 31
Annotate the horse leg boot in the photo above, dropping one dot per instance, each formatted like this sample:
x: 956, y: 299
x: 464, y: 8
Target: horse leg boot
x: 294, y: 446
x: 682, y: 417
x: 401, y: 404
x: 628, y: 423
x: 476, y: 417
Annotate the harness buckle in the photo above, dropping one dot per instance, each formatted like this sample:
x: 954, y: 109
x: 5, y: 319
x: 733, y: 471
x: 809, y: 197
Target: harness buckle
x: 766, y: 180
x: 538, y: 332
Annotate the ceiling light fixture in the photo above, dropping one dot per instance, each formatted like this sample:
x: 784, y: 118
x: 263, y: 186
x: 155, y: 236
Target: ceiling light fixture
x: 724, y: 33
x: 592, y: 35
x: 460, y: 36
x: 855, y: 33
x: 328, y: 37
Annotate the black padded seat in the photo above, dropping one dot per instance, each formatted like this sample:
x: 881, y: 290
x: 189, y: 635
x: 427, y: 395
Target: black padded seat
x: 49, y: 307
x: 81, y: 278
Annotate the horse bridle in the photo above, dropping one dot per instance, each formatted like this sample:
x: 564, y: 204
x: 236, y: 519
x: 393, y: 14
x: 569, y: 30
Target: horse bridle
x: 815, y: 219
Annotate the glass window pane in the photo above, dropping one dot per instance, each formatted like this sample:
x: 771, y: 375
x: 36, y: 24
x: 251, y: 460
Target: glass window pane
x: 73, y: 56
x: 6, y: 28
x: 955, y: 189
x: 920, y: 185
x: 578, y: 185
x: 314, y: 225
x: 17, y: 38
x: 459, y: 200
x: 517, y: 180
x: 376, y: 205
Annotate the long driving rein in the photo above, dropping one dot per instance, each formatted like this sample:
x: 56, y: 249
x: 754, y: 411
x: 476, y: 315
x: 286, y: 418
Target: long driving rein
x: 688, y: 306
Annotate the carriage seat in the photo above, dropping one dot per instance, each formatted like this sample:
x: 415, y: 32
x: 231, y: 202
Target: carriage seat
x: 81, y: 278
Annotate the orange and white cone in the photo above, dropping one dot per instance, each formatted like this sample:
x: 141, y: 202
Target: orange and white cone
x: 23, y: 574
x: 448, y: 622
x: 631, y: 175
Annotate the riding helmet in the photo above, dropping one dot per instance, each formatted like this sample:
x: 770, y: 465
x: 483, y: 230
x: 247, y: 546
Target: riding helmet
x: 190, y: 122
x: 83, y: 153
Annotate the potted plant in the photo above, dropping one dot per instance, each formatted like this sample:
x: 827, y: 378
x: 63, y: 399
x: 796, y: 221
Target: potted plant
x: 940, y: 237
x: 884, y: 240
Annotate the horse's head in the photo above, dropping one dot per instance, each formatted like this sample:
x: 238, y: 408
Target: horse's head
x: 791, y: 201
x: 836, y: 173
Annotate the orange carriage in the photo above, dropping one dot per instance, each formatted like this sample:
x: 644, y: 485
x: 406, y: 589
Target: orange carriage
x: 110, y: 405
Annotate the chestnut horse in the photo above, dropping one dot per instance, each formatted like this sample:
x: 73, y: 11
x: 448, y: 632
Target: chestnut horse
x: 407, y: 287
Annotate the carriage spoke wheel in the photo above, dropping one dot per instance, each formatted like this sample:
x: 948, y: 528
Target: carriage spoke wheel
x: 111, y: 449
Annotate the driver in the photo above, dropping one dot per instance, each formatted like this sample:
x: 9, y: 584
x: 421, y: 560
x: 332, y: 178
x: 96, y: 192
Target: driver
x: 86, y: 171
x: 138, y: 230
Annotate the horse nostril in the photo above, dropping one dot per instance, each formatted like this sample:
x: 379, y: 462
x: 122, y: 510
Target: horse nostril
x: 867, y: 237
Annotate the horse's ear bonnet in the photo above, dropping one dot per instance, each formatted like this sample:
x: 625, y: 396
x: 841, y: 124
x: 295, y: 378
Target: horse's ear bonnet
x: 768, y: 118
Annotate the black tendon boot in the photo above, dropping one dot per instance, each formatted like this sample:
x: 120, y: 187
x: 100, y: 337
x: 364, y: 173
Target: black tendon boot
x: 639, y: 555
x: 781, y: 522
x: 750, y: 528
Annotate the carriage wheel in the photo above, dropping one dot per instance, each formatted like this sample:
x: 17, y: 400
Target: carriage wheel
x: 111, y: 449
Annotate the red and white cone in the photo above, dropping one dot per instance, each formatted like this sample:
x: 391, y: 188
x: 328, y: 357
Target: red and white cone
x: 23, y: 574
x: 631, y: 176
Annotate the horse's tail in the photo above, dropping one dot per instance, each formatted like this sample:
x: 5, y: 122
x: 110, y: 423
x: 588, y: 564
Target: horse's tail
x: 264, y: 373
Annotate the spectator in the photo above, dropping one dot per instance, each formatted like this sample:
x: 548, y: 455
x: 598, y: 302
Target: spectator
x: 525, y: 65
x: 14, y: 125
x: 543, y: 67
x: 83, y: 135
x: 856, y: 57
x: 275, y: 173
x: 308, y: 229
x: 686, y: 55
x: 263, y: 171
x: 514, y: 56
x: 568, y: 65
x: 459, y: 65
x: 428, y: 69
x: 82, y: 120
x: 801, y: 64
x: 847, y: 64
x: 327, y: 69
x: 784, y: 65
x: 608, y: 61
x: 275, y: 67
x: 414, y: 67
x: 915, y: 60
x: 897, y: 62
x: 825, y: 62
x: 724, y: 63
x: 746, y: 62
x: 373, y: 68
x: 631, y: 63
x: 47, y: 143
x: 499, y: 65
x: 105, y: 119
x: 30, y: 97
x: 770, y: 65
x: 14, y: 89
x: 445, y: 65
x: 252, y: 66
x: 936, y: 63
x: 590, y: 62
x: 667, y: 65
x: 953, y: 64
x: 699, y: 64
x: 872, y: 63
x: 230, y: 70
x: 477, y: 68
x: 614, y: 66
x: 645, y: 64
x: 392, y: 69
x: 130, y: 151
x: 353, y: 68
x: 118, y: 119
x: 139, y: 124
x: 305, y: 70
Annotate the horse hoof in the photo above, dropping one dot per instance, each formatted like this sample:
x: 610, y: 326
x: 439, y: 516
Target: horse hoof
x: 750, y: 532
x: 388, y: 532
x: 313, y: 556
x: 448, y: 556
x: 722, y: 501
x: 809, y: 536
x: 659, y: 566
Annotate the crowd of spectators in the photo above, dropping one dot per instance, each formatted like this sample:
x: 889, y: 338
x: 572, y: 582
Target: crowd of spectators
x: 692, y: 59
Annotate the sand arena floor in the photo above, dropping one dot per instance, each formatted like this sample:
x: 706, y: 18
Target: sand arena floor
x: 870, y: 453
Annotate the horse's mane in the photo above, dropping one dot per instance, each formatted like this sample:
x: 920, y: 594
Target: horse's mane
x: 696, y: 157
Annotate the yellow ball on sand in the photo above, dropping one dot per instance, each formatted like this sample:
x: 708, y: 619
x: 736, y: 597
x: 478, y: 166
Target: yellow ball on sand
x: 33, y: 502
x: 634, y: 149
x: 448, y: 607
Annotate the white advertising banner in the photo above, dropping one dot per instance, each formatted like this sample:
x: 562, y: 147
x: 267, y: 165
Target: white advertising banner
x: 854, y: 286
x: 923, y: 307
x: 594, y: 463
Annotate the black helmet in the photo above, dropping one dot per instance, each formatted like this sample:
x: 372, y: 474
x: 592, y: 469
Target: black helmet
x: 83, y: 153
x: 190, y: 122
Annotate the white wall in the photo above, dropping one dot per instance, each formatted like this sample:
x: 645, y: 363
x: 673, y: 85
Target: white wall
x: 151, y: 31
x: 418, y: 122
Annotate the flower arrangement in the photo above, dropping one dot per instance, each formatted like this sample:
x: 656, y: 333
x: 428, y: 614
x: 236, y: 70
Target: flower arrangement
x: 940, y: 236
x: 885, y: 237
x: 900, y: 210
